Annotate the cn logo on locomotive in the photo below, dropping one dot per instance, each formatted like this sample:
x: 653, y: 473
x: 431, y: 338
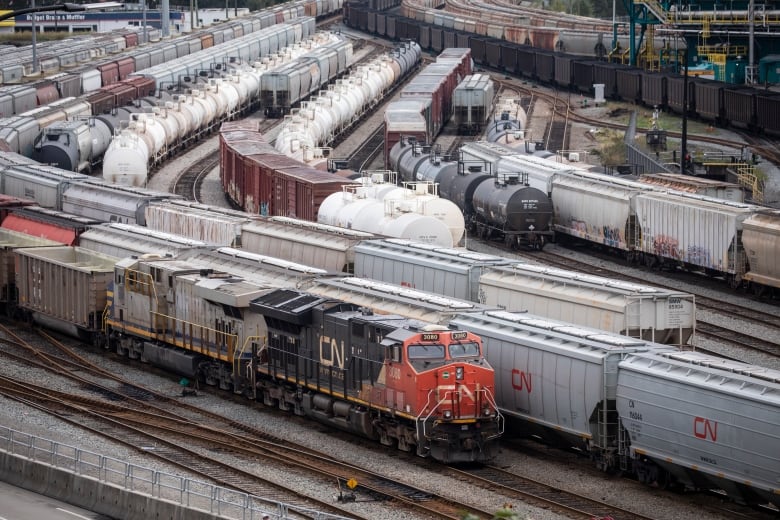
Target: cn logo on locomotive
x: 331, y: 353
x: 461, y: 391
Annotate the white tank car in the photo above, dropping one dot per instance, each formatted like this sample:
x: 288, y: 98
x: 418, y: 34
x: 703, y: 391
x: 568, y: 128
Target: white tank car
x: 423, y: 198
x: 304, y: 135
x: 348, y: 210
x: 73, y: 145
x: 149, y: 137
x: 417, y: 227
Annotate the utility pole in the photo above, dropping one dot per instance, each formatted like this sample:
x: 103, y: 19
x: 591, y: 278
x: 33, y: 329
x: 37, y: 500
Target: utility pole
x: 684, y: 143
x: 34, y: 38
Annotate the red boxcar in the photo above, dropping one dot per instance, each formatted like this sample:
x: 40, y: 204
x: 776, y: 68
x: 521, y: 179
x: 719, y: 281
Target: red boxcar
x: 131, y: 39
x: 299, y: 191
x: 46, y: 92
x: 143, y: 85
x: 126, y: 67
x: 260, y: 180
x: 109, y: 73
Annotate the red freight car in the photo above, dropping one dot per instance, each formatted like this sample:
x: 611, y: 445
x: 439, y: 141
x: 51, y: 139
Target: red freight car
x: 259, y: 179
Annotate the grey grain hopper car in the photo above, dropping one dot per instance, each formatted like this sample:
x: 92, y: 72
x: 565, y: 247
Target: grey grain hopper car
x: 691, y: 230
x: 496, y: 158
x: 388, y: 298
x: 650, y: 313
x: 472, y: 103
x: 639, y: 311
x: 318, y: 245
x: 111, y: 202
x: 43, y: 184
x: 274, y: 272
x: 555, y: 380
x: 761, y: 239
x: 18, y: 133
x: 708, y: 422
x: 123, y: 240
x: 450, y: 272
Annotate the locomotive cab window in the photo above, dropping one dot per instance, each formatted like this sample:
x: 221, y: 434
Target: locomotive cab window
x: 464, y: 350
x: 425, y: 352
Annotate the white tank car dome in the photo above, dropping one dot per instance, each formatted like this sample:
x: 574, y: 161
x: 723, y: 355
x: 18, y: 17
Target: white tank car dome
x: 375, y: 190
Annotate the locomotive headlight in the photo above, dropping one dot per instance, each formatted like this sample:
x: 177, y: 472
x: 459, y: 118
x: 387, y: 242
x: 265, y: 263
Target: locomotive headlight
x: 487, y: 412
x: 459, y: 373
x: 448, y: 414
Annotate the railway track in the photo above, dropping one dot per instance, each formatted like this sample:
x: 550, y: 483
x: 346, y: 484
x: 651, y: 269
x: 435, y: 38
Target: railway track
x: 550, y: 497
x: 136, y: 416
x: 556, y: 133
x: 174, y: 445
x: 189, y: 182
x: 368, y: 150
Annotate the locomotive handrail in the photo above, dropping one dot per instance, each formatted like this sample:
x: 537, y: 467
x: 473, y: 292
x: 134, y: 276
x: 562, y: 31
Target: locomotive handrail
x: 500, y: 421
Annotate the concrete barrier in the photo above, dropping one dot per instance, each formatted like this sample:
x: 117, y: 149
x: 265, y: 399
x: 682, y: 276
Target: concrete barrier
x: 119, y: 489
x: 91, y: 494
